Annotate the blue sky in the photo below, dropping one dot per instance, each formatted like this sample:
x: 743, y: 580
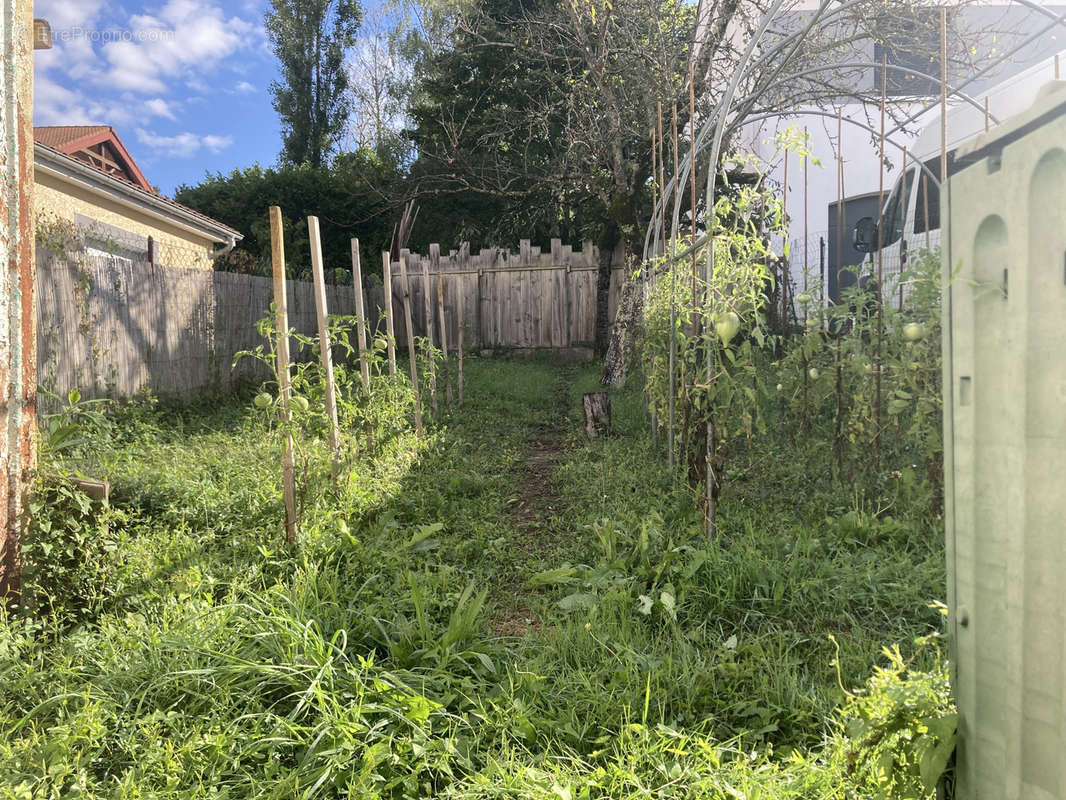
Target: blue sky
x: 185, y: 83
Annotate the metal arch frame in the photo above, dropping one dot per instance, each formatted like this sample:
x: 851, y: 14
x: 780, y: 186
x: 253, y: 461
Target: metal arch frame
x: 669, y: 189
x: 776, y: 115
x: 821, y: 16
x: 719, y: 133
x: 718, y: 120
x: 1055, y: 20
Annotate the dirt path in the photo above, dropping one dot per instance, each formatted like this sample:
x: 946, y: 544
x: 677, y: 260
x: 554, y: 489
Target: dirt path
x: 533, y: 509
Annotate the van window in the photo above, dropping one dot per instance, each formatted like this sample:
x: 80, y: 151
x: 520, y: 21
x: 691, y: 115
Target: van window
x: 929, y: 194
x: 895, y: 211
x: 927, y: 209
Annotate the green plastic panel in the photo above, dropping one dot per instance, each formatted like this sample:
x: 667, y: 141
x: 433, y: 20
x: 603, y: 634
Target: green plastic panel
x: 1005, y: 454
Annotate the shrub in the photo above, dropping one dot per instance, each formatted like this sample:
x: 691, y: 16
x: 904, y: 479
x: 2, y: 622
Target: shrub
x: 67, y: 551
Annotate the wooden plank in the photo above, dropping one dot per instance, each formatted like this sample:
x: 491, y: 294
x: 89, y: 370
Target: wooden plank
x: 389, y: 324
x: 412, y: 360
x: 459, y: 333
x: 434, y: 257
x: 277, y: 255
x: 568, y: 309
x: 360, y: 313
x: 558, y: 260
x: 431, y: 360
x: 325, y: 351
x: 464, y: 258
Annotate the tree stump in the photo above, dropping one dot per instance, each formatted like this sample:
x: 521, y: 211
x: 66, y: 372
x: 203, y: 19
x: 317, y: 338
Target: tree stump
x: 597, y: 407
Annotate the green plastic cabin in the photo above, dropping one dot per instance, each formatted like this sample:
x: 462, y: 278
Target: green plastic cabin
x: 1004, y: 271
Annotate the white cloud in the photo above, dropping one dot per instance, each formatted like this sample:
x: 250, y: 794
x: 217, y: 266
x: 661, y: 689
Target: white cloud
x: 110, y: 66
x: 185, y: 38
x: 129, y: 69
x: 160, y: 108
x: 55, y: 104
x: 153, y: 52
x: 66, y: 15
x: 216, y: 144
x: 182, y: 145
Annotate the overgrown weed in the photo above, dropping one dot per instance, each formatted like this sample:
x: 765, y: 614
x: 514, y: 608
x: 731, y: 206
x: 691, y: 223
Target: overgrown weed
x: 216, y: 661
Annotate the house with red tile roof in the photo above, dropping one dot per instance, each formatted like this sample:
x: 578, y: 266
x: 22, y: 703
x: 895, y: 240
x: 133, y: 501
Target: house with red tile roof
x: 86, y: 178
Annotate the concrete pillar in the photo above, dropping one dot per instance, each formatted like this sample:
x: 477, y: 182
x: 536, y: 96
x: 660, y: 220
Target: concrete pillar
x: 18, y: 346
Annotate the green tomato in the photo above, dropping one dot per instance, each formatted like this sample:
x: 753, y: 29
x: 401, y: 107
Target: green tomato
x: 264, y: 400
x: 380, y: 344
x: 727, y: 326
x: 813, y: 322
x: 803, y: 299
x: 913, y: 331
x: 300, y: 404
x: 780, y: 387
x: 814, y: 373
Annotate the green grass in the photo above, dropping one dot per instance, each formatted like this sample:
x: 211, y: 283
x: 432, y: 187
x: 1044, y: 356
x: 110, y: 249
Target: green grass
x: 371, y: 660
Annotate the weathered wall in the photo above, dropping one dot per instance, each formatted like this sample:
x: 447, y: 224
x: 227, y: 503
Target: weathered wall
x: 56, y: 198
x: 18, y: 363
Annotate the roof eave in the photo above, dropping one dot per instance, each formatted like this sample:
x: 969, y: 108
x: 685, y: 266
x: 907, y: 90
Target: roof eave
x: 71, y: 169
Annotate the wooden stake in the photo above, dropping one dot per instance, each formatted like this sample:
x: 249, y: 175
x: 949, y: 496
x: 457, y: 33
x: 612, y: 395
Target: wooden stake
x: 461, y: 333
x: 677, y: 177
x: 654, y: 190
x: 903, y: 216
x: 711, y: 352
x: 434, y: 257
x: 943, y: 97
x: 390, y: 326
x: 360, y: 313
x: 806, y: 248
x: 784, y: 205
x: 671, y: 427
x: 692, y: 186
x: 281, y: 323
x: 432, y: 362
x: 645, y: 273
x: 840, y: 194
x: 880, y: 263
x: 838, y: 412
x: 784, y: 190
x: 925, y: 204
x: 412, y: 358
x: 662, y: 169
x: 325, y: 352
x: 987, y: 115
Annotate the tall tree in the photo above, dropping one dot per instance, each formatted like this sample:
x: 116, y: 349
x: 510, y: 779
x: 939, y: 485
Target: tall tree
x: 543, y: 108
x: 311, y: 39
x: 540, y: 114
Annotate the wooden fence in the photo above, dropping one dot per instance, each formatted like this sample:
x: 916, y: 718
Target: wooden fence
x: 527, y: 299
x: 114, y: 327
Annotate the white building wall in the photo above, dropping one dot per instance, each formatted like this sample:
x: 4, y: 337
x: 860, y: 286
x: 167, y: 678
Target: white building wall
x: 1012, y: 85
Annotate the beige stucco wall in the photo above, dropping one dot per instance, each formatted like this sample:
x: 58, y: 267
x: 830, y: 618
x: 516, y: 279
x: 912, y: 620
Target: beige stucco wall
x: 56, y: 198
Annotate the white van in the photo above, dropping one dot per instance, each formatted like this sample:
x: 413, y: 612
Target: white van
x: 910, y: 217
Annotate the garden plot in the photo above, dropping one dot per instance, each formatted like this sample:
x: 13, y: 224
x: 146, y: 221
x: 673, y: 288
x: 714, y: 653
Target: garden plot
x: 498, y: 609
